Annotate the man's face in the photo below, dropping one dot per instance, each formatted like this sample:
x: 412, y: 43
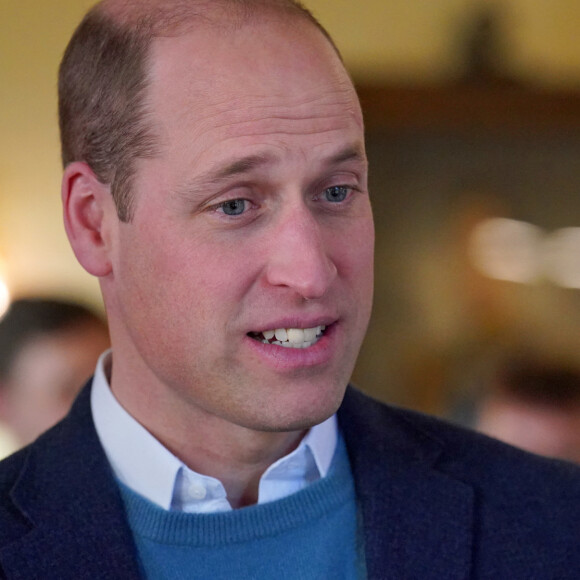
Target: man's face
x: 254, y: 217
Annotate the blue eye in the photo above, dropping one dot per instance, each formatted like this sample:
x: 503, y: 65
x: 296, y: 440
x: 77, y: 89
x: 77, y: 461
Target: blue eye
x: 336, y: 193
x: 234, y: 207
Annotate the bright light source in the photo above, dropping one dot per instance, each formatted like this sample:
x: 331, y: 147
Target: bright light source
x: 562, y: 257
x: 507, y: 249
x: 4, y: 297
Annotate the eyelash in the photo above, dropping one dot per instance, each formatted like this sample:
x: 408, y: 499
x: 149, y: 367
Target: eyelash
x: 348, y: 188
x: 223, y: 204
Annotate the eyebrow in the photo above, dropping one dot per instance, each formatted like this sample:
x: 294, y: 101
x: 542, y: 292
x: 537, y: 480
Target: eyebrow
x: 349, y: 153
x: 246, y: 165
x: 214, y: 176
x: 239, y: 167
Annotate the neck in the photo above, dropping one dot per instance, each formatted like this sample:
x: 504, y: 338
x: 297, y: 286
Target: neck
x: 235, y: 455
x: 240, y: 466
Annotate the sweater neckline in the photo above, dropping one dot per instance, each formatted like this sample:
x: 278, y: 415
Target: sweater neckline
x: 246, y: 524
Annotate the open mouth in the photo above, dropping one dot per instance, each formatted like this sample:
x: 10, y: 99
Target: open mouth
x: 290, y: 337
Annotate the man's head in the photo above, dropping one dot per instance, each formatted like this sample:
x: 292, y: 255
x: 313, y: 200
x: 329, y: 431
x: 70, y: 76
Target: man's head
x: 534, y: 405
x: 103, y: 79
x: 48, y: 348
x: 249, y: 214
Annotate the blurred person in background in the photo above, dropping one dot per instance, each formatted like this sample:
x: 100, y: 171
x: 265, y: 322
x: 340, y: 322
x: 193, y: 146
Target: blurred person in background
x: 534, y: 405
x: 48, y: 349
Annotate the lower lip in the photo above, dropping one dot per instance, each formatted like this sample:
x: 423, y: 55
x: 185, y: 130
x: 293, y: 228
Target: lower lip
x: 287, y: 358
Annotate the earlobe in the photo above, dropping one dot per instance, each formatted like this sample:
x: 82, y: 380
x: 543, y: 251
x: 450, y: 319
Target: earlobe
x: 87, y: 205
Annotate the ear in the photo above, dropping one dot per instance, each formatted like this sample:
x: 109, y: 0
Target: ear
x: 88, y: 208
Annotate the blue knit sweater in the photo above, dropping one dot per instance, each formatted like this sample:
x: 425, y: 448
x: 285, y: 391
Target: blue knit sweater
x: 311, y: 534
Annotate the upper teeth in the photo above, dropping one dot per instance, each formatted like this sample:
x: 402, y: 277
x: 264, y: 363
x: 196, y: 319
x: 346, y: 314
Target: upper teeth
x: 294, y: 337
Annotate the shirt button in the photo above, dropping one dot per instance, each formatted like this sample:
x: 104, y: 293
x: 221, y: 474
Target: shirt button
x: 197, y: 490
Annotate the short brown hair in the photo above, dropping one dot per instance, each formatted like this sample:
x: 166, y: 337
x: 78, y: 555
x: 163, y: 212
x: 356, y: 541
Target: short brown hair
x: 103, y: 79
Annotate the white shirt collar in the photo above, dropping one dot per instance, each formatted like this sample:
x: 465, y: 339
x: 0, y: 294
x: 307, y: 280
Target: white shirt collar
x: 143, y: 464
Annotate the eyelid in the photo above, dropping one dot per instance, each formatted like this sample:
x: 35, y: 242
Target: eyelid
x: 221, y: 204
x: 342, y: 177
x: 229, y: 192
x: 248, y: 213
x: 349, y: 186
x: 227, y: 195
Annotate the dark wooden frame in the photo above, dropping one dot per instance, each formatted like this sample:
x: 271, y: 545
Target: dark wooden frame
x: 465, y: 107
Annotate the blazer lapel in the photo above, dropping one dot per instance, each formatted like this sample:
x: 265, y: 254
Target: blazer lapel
x: 70, y: 499
x: 418, y: 521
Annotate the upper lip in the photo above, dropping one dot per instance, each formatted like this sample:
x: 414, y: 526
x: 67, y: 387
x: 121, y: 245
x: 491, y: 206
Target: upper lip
x: 296, y: 322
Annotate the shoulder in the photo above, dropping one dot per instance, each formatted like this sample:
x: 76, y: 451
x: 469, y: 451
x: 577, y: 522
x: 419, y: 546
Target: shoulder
x: 13, y: 523
x: 10, y: 467
x: 63, y: 461
x: 459, y: 495
x: 497, y: 470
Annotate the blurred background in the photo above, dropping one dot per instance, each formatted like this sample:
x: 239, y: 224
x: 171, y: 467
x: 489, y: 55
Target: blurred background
x: 472, y: 110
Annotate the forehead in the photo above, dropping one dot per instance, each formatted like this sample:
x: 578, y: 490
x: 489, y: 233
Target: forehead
x: 242, y: 80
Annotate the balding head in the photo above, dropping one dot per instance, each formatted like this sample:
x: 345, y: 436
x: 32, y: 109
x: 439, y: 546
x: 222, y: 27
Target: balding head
x: 104, y: 118
x: 175, y: 17
x: 250, y: 213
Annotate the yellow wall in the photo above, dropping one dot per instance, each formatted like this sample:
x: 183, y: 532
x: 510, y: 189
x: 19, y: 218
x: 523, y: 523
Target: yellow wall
x: 35, y: 252
x: 417, y: 40
x: 412, y: 40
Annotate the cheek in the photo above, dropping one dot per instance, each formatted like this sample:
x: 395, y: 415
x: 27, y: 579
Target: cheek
x: 217, y: 271
x: 194, y: 283
x: 356, y: 254
x: 141, y: 291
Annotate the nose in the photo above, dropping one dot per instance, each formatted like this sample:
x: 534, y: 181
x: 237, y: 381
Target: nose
x: 299, y: 256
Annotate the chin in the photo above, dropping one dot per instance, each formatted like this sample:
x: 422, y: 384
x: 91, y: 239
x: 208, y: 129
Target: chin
x: 303, y: 412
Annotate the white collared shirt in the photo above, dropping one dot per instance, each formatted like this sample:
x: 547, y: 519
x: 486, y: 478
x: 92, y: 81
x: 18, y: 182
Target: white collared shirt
x: 143, y: 464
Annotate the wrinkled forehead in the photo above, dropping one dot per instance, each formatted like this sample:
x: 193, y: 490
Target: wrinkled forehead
x: 269, y: 60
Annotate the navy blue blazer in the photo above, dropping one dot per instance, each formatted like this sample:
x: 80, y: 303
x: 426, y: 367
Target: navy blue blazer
x: 437, y: 502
